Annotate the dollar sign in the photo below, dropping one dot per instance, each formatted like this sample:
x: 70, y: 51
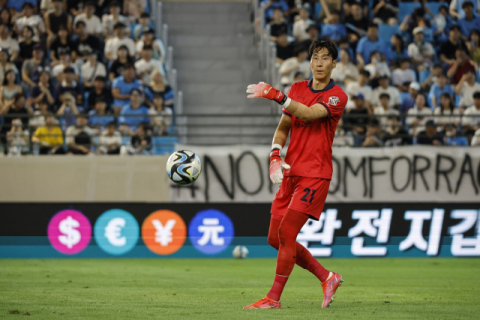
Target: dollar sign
x: 112, y: 232
x: 70, y: 235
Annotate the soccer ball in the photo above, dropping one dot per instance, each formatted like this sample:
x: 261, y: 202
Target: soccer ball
x: 240, y: 252
x: 183, y: 167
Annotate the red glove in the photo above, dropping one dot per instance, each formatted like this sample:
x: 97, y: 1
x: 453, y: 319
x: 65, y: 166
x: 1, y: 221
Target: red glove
x: 266, y: 91
x: 276, y: 165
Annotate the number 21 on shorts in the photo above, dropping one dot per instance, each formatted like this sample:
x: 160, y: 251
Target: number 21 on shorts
x: 308, y: 192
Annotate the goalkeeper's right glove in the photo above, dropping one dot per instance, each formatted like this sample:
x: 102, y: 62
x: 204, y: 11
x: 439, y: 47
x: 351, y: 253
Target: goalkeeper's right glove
x: 276, y: 164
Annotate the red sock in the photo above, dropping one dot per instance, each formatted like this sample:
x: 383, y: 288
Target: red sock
x: 277, y: 288
x: 317, y: 269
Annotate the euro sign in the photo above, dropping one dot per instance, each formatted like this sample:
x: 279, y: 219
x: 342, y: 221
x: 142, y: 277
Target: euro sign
x: 70, y: 236
x: 164, y: 234
x: 112, y: 232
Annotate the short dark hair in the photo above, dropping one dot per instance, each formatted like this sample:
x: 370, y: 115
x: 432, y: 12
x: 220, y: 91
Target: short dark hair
x: 68, y: 70
x: 318, y: 45
x: 394, y: 117
x: 82, y: 115
x: 158, y: 95
x: 335, y: 12
x: 114, y: 4
x: 374, y: 123
x: 402, y: 60
x: 467, y: 4
x: 144, y: 15
x: 112, y: 124
x: 365, y: 73
x: 100, y: 78
x: 136, y: 90
x: 79, y: 22
x: 147, y: 47
x: 384, y: 95
x: 128, y: 65
x: 119, y: 25
x: 373, y: 25
x: 90, y: 3
x: 297, y: 50
x: 476, y: 95
x: 100, y: 100
x: 455, y: 27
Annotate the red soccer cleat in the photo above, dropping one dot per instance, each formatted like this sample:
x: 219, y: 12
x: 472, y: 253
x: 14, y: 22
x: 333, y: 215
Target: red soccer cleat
x: 329, y: 287
x: 265, y: 303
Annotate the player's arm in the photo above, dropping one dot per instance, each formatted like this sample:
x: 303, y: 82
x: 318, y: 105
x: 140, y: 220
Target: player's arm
x: 279, y: 139
x: 283, y: 128
x: 299, y: 110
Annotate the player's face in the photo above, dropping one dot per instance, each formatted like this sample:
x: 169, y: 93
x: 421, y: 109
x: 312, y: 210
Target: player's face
x: 322, y: 64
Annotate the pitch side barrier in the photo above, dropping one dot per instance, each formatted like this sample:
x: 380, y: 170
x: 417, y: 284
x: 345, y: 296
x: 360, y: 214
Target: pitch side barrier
x: 203, y: 230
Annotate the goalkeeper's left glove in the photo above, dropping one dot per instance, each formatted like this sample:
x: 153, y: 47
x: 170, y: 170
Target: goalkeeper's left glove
x: 266, y: 91
x: 276, y: 164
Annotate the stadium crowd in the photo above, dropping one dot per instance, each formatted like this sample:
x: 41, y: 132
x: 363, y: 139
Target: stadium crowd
x: 80, y: 77
x: 410, y: 69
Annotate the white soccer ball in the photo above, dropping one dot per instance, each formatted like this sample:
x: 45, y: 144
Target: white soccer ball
x: 183, y: 167
x: 240, y: 252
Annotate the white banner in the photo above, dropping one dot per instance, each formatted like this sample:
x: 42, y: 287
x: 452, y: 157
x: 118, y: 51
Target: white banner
x: 404, y: 174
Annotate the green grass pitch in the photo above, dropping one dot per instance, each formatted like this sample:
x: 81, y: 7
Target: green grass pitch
x: 219, y: 288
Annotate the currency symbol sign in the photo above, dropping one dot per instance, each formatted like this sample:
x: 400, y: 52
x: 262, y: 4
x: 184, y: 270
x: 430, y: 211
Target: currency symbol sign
x: 70, y: 236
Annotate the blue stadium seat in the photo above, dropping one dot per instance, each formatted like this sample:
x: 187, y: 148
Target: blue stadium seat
x: 318, y: 9
x: 424, y: 75
x: 163, y: 145
x: 125, y: 140
x: 385, y: 32
x: 86, y: 94
x: 434, y: 6
x: 132, y: 29
x: 403, y: 96
x: 428, y: 35
x: 457, y: 100
x: 406, y: 8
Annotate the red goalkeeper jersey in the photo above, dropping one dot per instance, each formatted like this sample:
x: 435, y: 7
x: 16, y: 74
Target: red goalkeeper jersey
x: 310, y: 151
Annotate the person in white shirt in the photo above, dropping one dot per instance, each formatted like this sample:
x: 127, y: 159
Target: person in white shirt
x: 345, y: 71
x: 476, y: 139
x: 297, y: 63
x: 93, y: 25
x: 465, y: 88
x: 112, y: 45
x: 110, y: 20
x: 148, y: 38
x: 160, y: 116
x: 145, y: 66
x: 471, y: 116
x: 301, y: 24
x: 377, y: 67
x: 393, y: 93
x: 110, y: 140
x: 446, y: 112
x: 92, y: 69
x: 419, y: 115
x: 5, y: 65
x: 32, y: 20
x: 360, y: 86
x: 402, y: 75
x: 7, y: 43
x: 65, y: 61
x: 384, y: 110
x: 421, y: 52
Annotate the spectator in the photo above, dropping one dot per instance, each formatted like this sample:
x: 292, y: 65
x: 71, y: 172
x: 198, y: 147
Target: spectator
x: 327, y: 7
x: 448, y: 48
x: 285, y: 50
x: 17, y: 139
x: 68, y: 110
x: 10, y: 88
x: 356, y: 87
x: 357, y: 23
x: 377, y: 68
x: 80, y: 137
x: 158, y: 86
x: 470, y: 22
x: 301, y: 24
x: 99, y: 90
x: 133, y: 8
x: 345, y: 71
x: 110, y: 20
x: 98, y: 118
x: 446, y: 111
x: 393, y: 94
x: 272, y: 5
x: 148, y: 39
x: 456, y: 8
x: 69, y: 85
x: 385, y: 11
x: 421, y: 53
x: 372, y: 136
x: 7, y: 43
x: 38, y: 118
x: 297, y: 63
x: 141, y: 141
x: 438, y: 89
x: 31, y: 19
x: 369, y: 43
x: 93, y: 25
x: 113, y: 43
x: 312, y: 31
x: 123, y: 86
x: 110, y: 140
x: 65, y: 62
x: 383, y: 110
x: 33, y: 68
x: 5, y: 65
x: 403, y: 75
x: 49, y: 137
x: 348, y: 6
x: 6, y: 18
x: 441, y: 24
x: 473, y: 45
x: 333, y: 30
x: 145, y: 66
x: 44, y: 90
x: 117, y: 67
x: 432, y: 78
x: 26, y: 46
x: 451, y: 138
x: 15, y: 108
x: 417, y: 19
x: 160, y: 117
x: 56, y: 18
x: 143, y: 25
x: 397, y: 51
x: 476, y: 139
x: 92, y: 69
x: 134, y: 113
x: 85, y: 43
x: 396, y: 135
x: 408, y: 102
x: 460, y: 66
x: 429, y: 135
x: 418, y: 115
x: 471, y: 116
x: 357, y: 118
x: 278, y: 24
x: 61, y: 45
x: 465, y: 88
x: 75, y: 7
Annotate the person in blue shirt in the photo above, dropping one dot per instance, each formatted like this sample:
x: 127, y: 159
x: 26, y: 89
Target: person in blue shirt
x: 123, y: 86
x: 134, y: 113
x: 334, y: 31
x: 413, y: 89
x: 371, y: 42
x: 97, y: 117
x: 438, y: 89
x: 456, y: 6
x: 470, y: 22
x: 451, y: 138
x: 271, y: 5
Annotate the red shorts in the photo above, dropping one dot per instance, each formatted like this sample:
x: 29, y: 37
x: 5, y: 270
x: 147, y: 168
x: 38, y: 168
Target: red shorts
x: 301, y: 194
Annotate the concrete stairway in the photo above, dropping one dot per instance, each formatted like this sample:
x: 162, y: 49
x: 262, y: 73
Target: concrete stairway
x: 216, y: 59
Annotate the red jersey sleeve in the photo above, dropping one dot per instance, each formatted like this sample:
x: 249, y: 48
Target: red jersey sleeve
x: 291, y: 95
x: 335, y: 104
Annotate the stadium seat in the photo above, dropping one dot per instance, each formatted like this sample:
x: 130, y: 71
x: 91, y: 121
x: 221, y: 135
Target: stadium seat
x: 428, y: 35
x: 318, y: 9
x: 385, y: 32
x: 163, y: 145
x: 403, y: 96
x: 86, y: 94
x: 457, y: 100
x: 424, y: 75
x: 406, y: 8
x: 434, y: 6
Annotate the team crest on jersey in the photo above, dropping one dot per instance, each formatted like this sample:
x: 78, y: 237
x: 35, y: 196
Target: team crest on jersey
x: 333, y: 101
